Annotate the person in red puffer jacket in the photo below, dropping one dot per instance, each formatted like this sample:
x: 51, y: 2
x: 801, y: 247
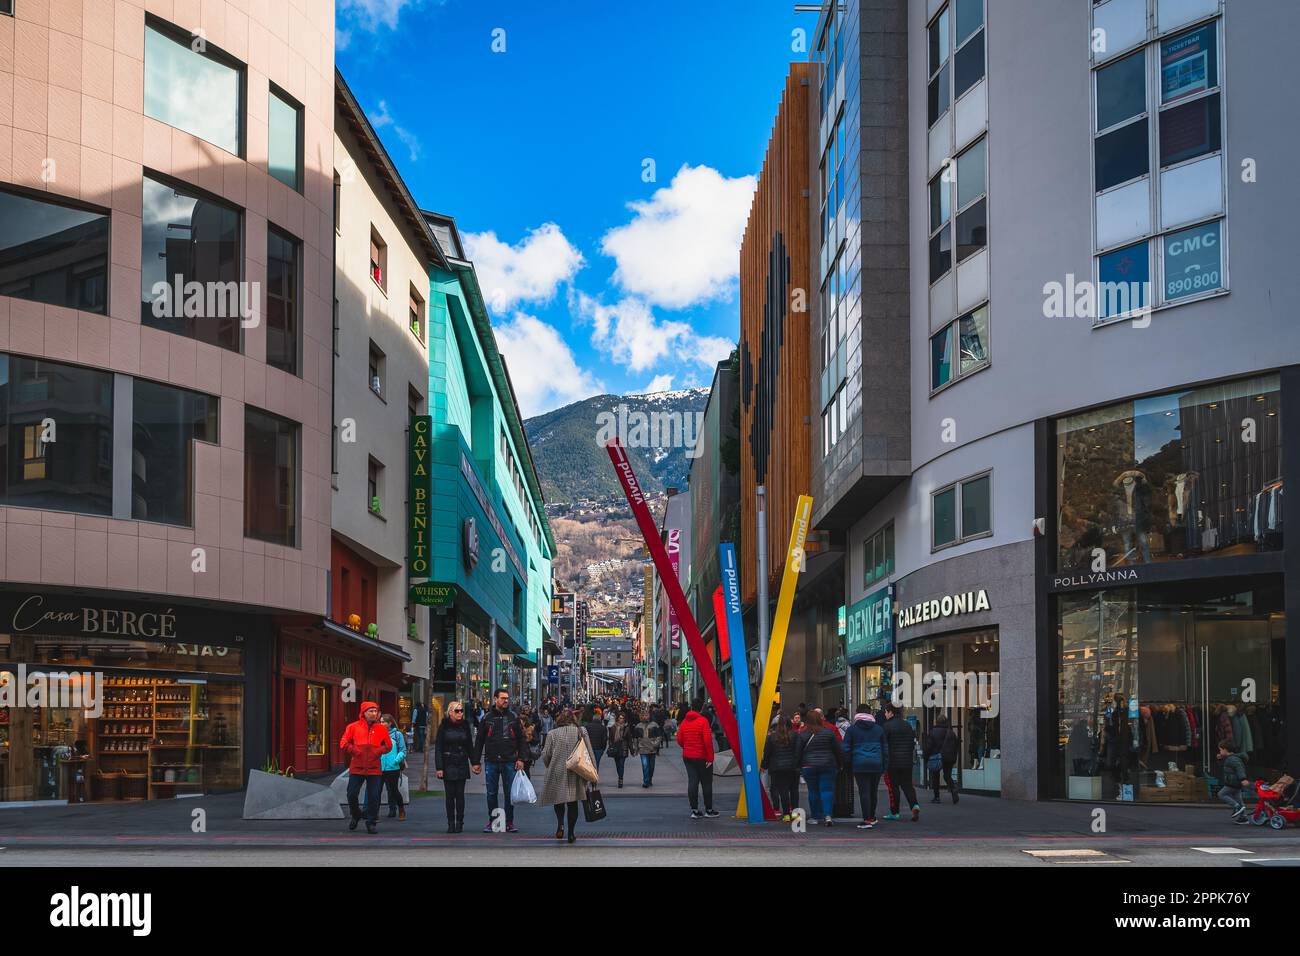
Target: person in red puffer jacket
x: 364, y: 741
x: 696, y: 739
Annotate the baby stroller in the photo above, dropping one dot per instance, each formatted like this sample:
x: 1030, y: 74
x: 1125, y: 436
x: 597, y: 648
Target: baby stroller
x: 1276, y: 805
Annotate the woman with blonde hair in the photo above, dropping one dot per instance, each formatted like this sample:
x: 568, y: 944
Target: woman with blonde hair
x: 561, y: 788
x: 451, y: 757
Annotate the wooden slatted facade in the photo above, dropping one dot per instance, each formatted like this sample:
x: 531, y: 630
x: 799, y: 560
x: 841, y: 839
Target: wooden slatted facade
x: 775, y: 366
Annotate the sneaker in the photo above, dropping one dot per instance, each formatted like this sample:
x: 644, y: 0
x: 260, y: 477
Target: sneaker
x: 829, y: 822
x: 712, y: 813
x: 916, y: 813
x: 487, y: 828
x: 1242, y: 820
x: 696, y: 815
x: 892, y: 816
x: 511, y: 828
x: 866, y: 824
x: 645, y: 786
x: 1239, y: 812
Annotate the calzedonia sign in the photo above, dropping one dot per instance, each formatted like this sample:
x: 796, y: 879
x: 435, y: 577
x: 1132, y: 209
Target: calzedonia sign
x: 950, y: 605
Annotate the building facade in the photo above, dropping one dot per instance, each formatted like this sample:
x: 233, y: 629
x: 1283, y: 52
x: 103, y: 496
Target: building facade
x: 165, y: 287
x: 1075, y: 541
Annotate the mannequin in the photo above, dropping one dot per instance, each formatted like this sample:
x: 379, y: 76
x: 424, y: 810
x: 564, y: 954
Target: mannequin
x: 1184, y: 516
x: 1133, y: 512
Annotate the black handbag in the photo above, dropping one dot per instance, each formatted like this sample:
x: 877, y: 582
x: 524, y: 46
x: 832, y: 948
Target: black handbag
x: 593, y: 805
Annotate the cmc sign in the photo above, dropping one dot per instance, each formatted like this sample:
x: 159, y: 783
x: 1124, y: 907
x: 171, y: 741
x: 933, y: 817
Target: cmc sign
x: 1194, y: 261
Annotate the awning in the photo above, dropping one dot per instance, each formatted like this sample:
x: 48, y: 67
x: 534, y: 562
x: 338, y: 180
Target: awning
x: 361, y: 642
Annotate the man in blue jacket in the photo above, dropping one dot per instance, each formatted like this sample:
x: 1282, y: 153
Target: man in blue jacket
x: 866, y: 752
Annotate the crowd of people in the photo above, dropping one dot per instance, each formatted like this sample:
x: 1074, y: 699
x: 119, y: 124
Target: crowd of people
x: 831, y: 753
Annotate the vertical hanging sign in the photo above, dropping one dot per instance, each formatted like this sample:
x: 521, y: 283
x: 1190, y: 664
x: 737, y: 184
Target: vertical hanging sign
x: 419, y: 459
x: 675, y: 559
x: 735, y: 630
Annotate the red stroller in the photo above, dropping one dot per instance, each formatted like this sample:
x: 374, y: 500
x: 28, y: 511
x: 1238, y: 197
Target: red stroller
x: 1276, y: 808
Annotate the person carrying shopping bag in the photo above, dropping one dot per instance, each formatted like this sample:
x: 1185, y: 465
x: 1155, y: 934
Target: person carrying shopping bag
x: 391, y: 766
x: 941, y: 755
x: 562, y: 787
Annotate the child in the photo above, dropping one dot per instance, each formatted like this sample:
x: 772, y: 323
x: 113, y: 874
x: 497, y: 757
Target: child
x: 1235, y: 782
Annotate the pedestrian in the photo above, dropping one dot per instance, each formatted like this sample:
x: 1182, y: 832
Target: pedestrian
x: 941, y: 754
x: 597, y: 733
x: 796, y: 722
x: 867, y: 754
x: 818, y: 753
x: 452, y: 751
x: 1235, y: 781
x: 696, y: 740
x: 781, y: 761
x: 561, y: 788
x: 532, y: 740
x: 364, y: 742
x: 619, y: 735
x: 611, y: 715
x: 419, y: 725
x: 391, y: 766
x: 501, y: 747
x: 901, y: 741
x: 842, y: 722
x: 670, y: 726
x: 647, y: 737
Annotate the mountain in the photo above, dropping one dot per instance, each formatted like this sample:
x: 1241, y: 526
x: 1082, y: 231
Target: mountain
x: 572, y: 463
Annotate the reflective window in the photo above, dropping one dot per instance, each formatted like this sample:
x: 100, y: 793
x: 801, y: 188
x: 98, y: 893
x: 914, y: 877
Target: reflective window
x: 198, y: 92
x: 1172, y: 476
x: 972, y: 230
x: 962, y: 511
x: 970, y: 17
x: 283, y: 300
x: 1190, y: 129
x: 941, y: 358
x: 284, y: 139
x: 972, y: 167
x: 1124, y: 280
x: 56, y: 436
x: 270, y: 477
x: 53, y: 253
x: 165, y: 423
x: 976, y: 509
x: 1122, y: 155
x: 191, y: 259
x: 944, y: 513
x: 1122, y: 90
x: 971, y: 346
x: 968, y: 65
x: 878, y: 555
x: 940, y: 253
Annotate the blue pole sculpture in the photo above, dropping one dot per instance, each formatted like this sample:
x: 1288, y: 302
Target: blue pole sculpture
x: 740, y: 680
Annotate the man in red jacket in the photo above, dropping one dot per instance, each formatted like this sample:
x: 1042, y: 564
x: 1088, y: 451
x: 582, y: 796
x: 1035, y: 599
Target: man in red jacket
x: 364, y: 741
x: 696, y: 739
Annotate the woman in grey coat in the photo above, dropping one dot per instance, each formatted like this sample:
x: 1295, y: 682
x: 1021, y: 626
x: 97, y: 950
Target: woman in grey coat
x: 561, y: 788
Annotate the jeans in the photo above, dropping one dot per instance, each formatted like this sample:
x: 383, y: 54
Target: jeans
x: 419, y: 739
x: 901, y: 777
x: 867, y: 792
x: 785, y: 790
x: 821, y: 791
x: 454, y: 796
x: 1236, y: 797
x: 392, y: 780
x: 947, y: 776
x: 698, y: 775
x: 647, y: 768
x: 597, y: 754
x: 503, y: 770
x: 371, y: 810
x: 619, y: 762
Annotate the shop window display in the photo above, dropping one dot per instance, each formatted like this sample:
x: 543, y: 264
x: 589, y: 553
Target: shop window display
x: 155, y: 734
x: 1151, y: 680
x: 1172, y: 476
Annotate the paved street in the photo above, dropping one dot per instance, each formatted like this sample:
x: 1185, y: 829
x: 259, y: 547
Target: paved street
x: 649, y: 827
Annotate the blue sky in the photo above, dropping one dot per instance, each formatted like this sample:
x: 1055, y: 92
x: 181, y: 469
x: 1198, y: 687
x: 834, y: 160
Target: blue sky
x: 598, y: 279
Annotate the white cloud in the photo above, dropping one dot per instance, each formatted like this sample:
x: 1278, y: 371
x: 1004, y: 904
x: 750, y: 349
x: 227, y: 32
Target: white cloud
x: 660, y: 383
x: 543, y: 369
x: 383, y: 118
x: 371, y: 14
x: 683, y: 245
x: 529, y: 271
x: 632, y: 336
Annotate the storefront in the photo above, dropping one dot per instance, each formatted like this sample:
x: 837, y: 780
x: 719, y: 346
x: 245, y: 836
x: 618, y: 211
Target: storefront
x: 869, y: 647
x: 1169, y: 598
x: 324, y: 671
x: 103, y: 699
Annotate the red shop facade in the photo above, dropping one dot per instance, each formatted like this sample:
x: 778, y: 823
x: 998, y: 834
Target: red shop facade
x: 323, y: 673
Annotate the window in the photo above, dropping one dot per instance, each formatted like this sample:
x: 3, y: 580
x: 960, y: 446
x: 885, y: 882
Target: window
x: 270, y: 478
x: 53, y: 252
x: 878, y: 556
x: 201, y: 93
x: 375, y: 487
x: 338, y: 201
x: 317, y: 720
x: 1172, y: 247
x: 1172, y: 476
x: 968, y: 62
x: 940, y: 231
x: 165, y: 422
x: 283, y: 300
x: 376, y: 370
x: 188, y: 237
x: 56, y: 436
x: 7, y: 7
x: 378, y: 260
x: 962, y: 511
x: 415, y: 314
x: 963, y: 38
x: 960, y: 348
x: 972, y: 206
x: 938, y: 92
x: 284, y: 139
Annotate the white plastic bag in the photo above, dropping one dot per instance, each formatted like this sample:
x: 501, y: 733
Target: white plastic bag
x: 521, y: 791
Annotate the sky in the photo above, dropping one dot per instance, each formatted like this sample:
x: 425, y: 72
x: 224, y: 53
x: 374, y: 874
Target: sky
x: 600, y: 158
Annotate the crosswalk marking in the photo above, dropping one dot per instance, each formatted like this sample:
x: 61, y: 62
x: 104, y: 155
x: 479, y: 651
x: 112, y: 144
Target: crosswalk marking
x: 1219, y: 849
x: 1078, y: 855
